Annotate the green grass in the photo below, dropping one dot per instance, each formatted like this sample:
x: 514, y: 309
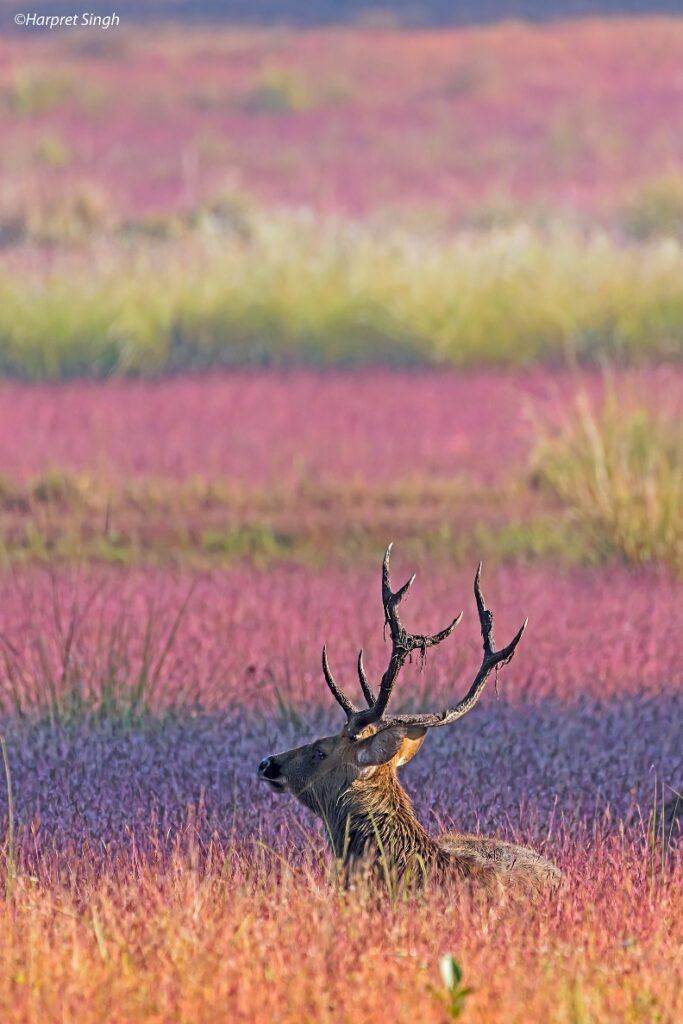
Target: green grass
x: 33, y: 90
x: 52, y: 151
x: 288, y: 288
x: 620, y: 472
x: 656, y: 209
x: 279, y: 91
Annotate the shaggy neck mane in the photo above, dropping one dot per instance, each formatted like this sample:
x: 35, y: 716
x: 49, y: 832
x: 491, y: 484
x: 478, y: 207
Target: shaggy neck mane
x: 374, y: 821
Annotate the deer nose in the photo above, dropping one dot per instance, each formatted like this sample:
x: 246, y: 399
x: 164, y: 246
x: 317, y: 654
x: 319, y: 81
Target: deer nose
x: 267, y: 768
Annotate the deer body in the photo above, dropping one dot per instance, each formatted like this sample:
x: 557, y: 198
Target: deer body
x: 383, y: 828
x: 350, y: 780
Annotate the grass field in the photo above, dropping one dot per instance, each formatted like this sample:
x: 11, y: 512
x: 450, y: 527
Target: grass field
x: 579, y: 115
x: 149, y: 877
x: 270, y: 299
x: 178, y: 940
x: 508, y: 196
x: 297, y: 290
x: 301, y: 468
x: 161, y: 632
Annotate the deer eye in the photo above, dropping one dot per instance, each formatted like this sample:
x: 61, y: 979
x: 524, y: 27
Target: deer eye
x: 321, y: 755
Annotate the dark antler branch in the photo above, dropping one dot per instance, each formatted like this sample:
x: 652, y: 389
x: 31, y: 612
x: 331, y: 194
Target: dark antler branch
x: 337, y: 693
x: 492, y: 659
x: 364, y: 685
x: 403, y: 644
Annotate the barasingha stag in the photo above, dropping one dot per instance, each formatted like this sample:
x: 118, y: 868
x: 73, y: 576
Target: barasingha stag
x: 350, y: 780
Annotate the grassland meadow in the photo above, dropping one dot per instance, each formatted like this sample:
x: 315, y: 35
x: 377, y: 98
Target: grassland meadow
x: 273, y: 296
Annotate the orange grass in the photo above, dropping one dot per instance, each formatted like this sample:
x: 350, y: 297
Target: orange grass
x: 210, y: 936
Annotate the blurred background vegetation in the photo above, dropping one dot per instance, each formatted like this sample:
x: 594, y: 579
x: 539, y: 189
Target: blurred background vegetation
x: 501, y: 195
x: 377, y: 192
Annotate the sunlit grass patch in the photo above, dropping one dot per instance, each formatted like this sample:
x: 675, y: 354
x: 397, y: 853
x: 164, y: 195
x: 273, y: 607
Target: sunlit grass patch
x: 619, y: 469
x: 291, y: 288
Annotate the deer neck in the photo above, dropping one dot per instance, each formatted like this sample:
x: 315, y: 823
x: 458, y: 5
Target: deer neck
x: 374, y: 822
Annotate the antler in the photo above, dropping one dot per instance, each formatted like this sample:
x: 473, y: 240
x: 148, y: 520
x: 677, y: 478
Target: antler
x: 492, y: 659
x: 403, y: 644
x: 337, y: 692
x: 364, y: 685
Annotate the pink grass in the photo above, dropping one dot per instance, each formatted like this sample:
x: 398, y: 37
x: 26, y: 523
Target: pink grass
x: 574, y: 115
x: 588, y: 718
x: 602, y: 633
x: 266, y: 428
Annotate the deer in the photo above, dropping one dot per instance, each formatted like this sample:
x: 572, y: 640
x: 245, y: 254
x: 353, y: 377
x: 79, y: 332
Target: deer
x: 350, y: 779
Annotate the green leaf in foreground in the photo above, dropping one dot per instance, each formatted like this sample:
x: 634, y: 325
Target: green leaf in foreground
x: 456, y: 993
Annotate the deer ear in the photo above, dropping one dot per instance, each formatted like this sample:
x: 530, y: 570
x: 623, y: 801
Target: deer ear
x: 384, y: 746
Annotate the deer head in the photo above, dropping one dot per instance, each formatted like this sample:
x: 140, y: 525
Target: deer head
x: 372, y: 743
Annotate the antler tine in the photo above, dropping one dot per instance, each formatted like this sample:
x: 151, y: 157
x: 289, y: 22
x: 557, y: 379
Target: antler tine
x: 337, y: 693
x: 364, y: 685
x: 485, y: 616
x: 492, y: 659
x: 389, y: 598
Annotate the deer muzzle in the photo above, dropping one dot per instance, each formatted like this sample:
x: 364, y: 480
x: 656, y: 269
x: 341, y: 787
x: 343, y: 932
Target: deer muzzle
x: 269, y: 771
